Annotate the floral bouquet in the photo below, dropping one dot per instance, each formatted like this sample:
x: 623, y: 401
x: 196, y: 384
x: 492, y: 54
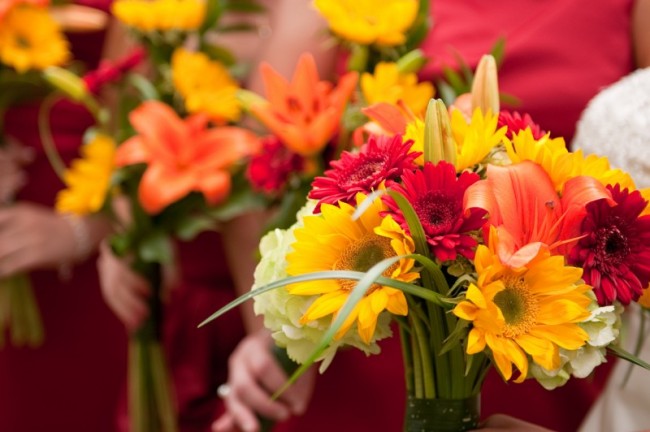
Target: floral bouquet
x: 481, y: 236
x: 178, y: 169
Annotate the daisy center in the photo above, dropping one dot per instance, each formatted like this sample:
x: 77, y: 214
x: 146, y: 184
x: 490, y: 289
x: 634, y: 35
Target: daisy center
x: 23, y: 42
x: 612, y: 245
x: 360, y: 173
x: 436, y: 211
x: 518, y: 306
x: 362, y: 255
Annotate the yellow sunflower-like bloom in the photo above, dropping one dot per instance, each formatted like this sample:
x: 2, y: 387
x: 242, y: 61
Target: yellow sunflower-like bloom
x: 388, y: 85
x: 31, y: 39
x: 368, y: 21
x: 476, y: 139
x: 532, y: 310
x: 560, y: 164
x: 206, y: 86
x: 88, y: 179
x: 333, y: 241
x: 149, y: 15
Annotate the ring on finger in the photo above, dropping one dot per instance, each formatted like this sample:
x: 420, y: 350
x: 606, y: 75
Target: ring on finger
x: 223, y: 391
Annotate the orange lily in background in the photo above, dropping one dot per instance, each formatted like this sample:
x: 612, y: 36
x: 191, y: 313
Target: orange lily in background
x: 182, y: 155
x: 306, y: 112
x: 527, y: 212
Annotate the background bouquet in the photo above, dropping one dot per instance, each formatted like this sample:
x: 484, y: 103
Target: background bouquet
x: 178, y: 167
x: 484, y: 238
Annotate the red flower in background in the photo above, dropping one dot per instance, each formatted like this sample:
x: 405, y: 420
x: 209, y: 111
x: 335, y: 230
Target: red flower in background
x: 515, y: 123
x: 615, y: 249
x: 109, y: 72
x: 269, y: 170
x: 436, y: 195
x: 382, y: 158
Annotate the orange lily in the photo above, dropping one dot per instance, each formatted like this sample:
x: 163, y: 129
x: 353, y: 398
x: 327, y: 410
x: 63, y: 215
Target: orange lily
x: 7, y: 5
x: 182, y: 155
x: 527, y: 212
x: 306, y: 112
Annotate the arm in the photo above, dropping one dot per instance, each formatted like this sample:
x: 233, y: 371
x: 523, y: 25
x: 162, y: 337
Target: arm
x: 641, y: 32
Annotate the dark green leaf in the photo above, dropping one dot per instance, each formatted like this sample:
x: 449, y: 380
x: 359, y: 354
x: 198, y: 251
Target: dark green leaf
x: 237, y: 27
x: 214, y: 10
x: 190, y: 226
x: 621, y: 353
x: 156, y: 247
x: 219, y: 53
x: 245, y: 6
x: 498, y: 50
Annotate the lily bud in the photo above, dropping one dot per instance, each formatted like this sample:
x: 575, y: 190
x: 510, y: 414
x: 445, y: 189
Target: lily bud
x: 439, y: 142
x: 485, y: 87
x: 69, y: 83
x: 411, y: 62
x: 79, y: 19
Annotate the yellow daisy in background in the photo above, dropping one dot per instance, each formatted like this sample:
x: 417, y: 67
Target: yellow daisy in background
x: 88, y: 178
x: 31, y: 39
x: 369, y: 21
x: 388, y: 85
x: 531, y: 310
x: 206, y: 86
x: 150, y: 15
x: 476, y: 139
x: 334, y: 241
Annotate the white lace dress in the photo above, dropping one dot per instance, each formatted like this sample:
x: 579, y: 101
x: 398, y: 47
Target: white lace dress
x: 616, y: 124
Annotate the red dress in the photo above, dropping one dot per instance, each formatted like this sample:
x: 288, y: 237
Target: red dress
x: 71, y: 383
x: 559, y: 54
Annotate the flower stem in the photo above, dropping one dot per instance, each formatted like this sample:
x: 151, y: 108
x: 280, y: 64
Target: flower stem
x: 45, y: 133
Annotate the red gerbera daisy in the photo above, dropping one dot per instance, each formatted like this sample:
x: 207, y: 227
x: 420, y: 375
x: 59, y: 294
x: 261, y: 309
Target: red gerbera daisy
x: 382, y: 158
x: 615, y: 249
x: 269, y: 170
x: 436, y: 195
x: 516, y: 123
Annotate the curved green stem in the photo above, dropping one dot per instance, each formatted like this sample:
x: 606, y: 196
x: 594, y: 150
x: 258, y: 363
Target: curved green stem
x: 45, y: 133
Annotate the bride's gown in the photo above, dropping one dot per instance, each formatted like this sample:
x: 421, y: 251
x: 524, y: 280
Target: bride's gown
x: 616, y: 124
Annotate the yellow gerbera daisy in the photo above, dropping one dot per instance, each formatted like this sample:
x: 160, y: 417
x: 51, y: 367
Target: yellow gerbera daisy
x: 333, y: 241
x: 368, y: 21
x: 560, y: 164
x: 205, y: 85
x: 149, y: 15
x: 388, y: 85
x: 475, y: 139
x: 31, y: 39
x: 530, y: 310
x: 88, y: 178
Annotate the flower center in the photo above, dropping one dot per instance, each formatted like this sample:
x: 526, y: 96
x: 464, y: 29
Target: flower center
x: 612, y: 246
x: 518, y: 306
x: 436, y: 211
x: 362, y: 173
x: 23, y: 42
x: 362, y: 255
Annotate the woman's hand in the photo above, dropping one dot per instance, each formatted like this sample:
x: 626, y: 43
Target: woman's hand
x: 34, y: 237
x: 12, y: 158
x: 124, y: 291
x: 253, y: 376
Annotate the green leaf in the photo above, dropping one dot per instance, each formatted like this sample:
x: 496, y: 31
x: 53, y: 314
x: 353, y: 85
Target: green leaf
x: 219, y: 53
x: 498, y: 50
x: 237, y: 27
x: 143, y: 86
x: 156, y: 247
x: 459, y: 333
x: 621, y: 353
x: 454, y: 79
x: 244, y: 6
x: 214, y: 10
x: 328, y: 275
x: 190, y: 226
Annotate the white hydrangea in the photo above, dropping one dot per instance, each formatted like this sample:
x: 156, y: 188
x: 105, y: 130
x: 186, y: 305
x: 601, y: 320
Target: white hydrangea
x: 282, y: 311
x: 603, y: 329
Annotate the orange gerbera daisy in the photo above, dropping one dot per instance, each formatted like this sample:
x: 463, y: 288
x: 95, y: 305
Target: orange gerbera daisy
x: 305, y: 112
x: 182, y: 155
